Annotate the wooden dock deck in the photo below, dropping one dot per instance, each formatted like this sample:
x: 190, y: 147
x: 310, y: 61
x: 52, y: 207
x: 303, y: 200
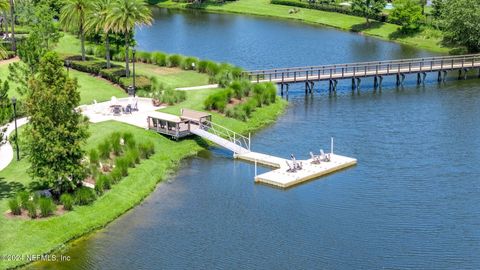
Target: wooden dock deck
x: 283, y: 179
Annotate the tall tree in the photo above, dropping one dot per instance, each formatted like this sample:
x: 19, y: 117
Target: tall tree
x: 56, y: 132
x: 5, y: 104
x: 125, y: 15
x: 408, y: 14
x: 437, y: 8
x: 369, y: 8
x: 12, y: 17
x: 461, y: 24
x: 73, y: 17
x: 99, y: 23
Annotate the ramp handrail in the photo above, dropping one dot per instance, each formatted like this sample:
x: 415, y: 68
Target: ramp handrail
x: 224, y: 132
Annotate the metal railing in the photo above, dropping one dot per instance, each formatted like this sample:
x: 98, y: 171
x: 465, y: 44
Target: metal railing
x: 361, y: 69
x: 226, y: 133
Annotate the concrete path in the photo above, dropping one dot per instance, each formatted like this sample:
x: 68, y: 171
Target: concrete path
x: 210, y: 86
x: 6, y: 150
x: 99, y: 112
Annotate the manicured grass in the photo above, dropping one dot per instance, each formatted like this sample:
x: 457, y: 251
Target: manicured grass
x: 42, y: 236
x: 423, y: 40
x: 173, y: 77
x: 91, y: 88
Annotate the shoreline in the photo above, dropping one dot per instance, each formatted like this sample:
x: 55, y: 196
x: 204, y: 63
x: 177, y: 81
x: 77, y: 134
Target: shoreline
x: 224, y: 9
x: 188, y: 148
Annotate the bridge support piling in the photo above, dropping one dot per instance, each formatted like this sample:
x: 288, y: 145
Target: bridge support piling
x: 439, y: 77
x: 354, y: 85
x: 359, y: 81
x: 380, y: 81
x: 459, y: 74
x: 281, y: 89
x: 419, y: 79
x: 424, y: 75
x: 465, y: 73
x: 309, y: 87
x: 403, y: 78
x: 375, y: 82
x: 398, y: 79
x: 445, y: 73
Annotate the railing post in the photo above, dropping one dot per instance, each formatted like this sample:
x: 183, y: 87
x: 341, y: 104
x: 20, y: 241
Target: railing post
x: 410, y: 67
x: 249, y: 140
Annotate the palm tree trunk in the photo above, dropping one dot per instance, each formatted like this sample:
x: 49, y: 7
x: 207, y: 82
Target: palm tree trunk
x: 107, y: 49
x: 127, y: 68
x: 82, y: 41
x: 12, y: 14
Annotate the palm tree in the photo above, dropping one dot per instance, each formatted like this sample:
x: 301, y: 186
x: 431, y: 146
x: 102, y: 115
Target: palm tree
x: 124, y: 16
x: 4, y: 7
x: 12, y: 16
x: 99, y: 22
x: 73, y: 17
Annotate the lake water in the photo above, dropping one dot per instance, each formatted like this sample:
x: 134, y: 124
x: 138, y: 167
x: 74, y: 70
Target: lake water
x: 412, y: 202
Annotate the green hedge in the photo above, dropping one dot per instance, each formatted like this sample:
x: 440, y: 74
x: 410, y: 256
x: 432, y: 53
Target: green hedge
x: 327, y: 7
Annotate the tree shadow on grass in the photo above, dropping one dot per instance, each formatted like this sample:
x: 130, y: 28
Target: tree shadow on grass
x: 402, y: 34
x: 8, y: 189
x: 364, y: 26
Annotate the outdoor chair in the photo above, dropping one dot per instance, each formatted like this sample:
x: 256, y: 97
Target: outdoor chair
x: 315, y: 159
x: 290, y: 168
x: 117, y: 111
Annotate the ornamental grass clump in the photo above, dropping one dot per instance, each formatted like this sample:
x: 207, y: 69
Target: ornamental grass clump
x: 116, y: 175
x: 99, y: 185
x: 14, y: 206
x: 105, y: 149
x: 115, y: 142
x: 159, y: 59
x: 121, y: 164
x: 129, y: 140
x: 94, y: 158
x: 24, y: 198
x: 67, y: 201
x: 31, y: 208
x: 47, y: 206
x: 175, y: 60
x: 84, y: 196
x: 190, y: 63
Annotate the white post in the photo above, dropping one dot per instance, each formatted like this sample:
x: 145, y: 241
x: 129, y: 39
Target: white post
x: 255, y: 167
x: 234, y: 140
x: 331, y: 146
x: 249, y: 138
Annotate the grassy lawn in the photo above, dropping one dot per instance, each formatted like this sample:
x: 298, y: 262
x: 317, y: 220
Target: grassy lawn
x: 425, y: 40
x: 42, y: 236
x: 174, y: 77
x: 90, y: 87
x: 93, y: 88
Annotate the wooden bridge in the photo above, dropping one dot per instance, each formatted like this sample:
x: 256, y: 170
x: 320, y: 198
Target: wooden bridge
x: 377, y: 70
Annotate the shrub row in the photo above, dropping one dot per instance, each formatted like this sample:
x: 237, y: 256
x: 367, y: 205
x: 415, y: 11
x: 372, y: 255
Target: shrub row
x: 31, y: 204
x: 128, y: 154
x: 250, y: 97
x: 115, y: 74
x: 327, y: 7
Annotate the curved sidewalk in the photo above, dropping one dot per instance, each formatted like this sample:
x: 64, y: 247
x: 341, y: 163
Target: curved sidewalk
x: 99, y: 112
x: 6, y: 150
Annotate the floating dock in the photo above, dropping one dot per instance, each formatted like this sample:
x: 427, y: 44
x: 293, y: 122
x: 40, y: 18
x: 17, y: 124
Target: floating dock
x: 280, y: 177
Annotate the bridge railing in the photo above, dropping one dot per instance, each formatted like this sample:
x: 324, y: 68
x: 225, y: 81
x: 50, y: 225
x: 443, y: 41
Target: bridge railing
x: 226, y: 133
x: 365, y: 68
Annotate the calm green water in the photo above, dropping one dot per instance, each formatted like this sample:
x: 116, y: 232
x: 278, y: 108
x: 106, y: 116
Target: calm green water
x: 413, y: 201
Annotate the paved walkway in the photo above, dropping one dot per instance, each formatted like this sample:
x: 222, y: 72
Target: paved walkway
x: 6, y: 150
x: 99, y: 112
x: 209, y: 86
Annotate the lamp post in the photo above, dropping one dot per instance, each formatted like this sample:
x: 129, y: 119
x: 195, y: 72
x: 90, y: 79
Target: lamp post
x: 134, y: 60
x: 14, y: 102
x: 68, y: 63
